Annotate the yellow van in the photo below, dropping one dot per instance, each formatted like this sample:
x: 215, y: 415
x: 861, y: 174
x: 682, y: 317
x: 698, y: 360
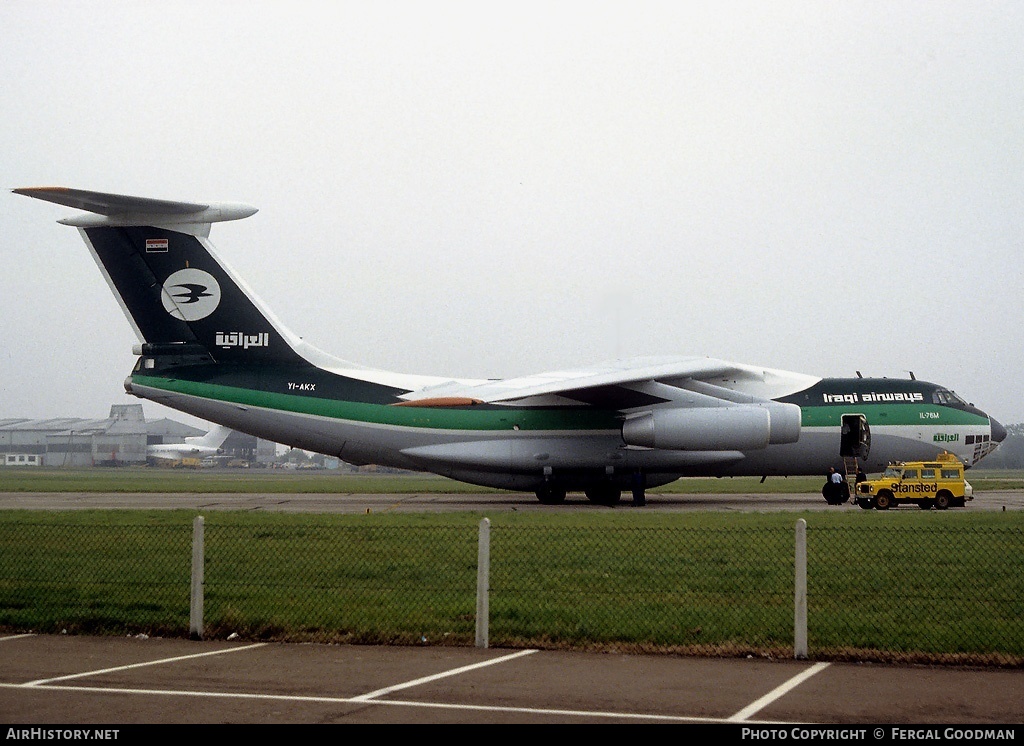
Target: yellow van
x: 929, y: 484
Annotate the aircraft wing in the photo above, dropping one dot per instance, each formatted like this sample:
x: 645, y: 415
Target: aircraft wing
x: 628, y: 384
x: 680, y: 404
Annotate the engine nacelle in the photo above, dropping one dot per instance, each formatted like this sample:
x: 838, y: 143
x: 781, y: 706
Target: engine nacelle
x: 786, y: 423
x: 738, y: 428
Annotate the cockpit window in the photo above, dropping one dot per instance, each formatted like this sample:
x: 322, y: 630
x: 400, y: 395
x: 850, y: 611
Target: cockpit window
x: 944, y: 396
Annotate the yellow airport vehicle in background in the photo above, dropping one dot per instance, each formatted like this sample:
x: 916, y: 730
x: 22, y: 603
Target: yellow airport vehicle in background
x: 928, y: 484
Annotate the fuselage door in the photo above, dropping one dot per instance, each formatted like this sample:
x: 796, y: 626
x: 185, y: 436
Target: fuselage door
x: 855, y: 441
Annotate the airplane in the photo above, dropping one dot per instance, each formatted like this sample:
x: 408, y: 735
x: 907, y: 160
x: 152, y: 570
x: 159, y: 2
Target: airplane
x: 209, y: 347
x: 195, y: 447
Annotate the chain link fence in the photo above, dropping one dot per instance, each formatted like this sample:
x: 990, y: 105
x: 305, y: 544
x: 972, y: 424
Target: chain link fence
x: 361, y: 584
x: 700, y: 591
x: 938, y: 595
x: 920, y: 595
x: 95, y: 579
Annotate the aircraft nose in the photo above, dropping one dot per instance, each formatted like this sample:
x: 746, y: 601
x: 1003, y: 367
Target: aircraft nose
x: 998, y: 431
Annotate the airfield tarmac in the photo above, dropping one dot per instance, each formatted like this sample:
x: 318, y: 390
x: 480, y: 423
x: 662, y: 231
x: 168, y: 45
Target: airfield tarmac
x: 429, y: 502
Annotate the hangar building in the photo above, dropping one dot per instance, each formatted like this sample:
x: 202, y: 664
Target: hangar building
x: 118, y: 440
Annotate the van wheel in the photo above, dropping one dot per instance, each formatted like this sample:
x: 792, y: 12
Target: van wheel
x: 942, y: 500
x: 883, y: 501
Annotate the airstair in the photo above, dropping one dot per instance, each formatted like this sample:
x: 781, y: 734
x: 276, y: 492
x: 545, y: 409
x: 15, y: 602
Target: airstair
x: 851, y: 474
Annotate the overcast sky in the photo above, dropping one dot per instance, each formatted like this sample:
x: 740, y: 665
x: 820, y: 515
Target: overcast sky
x: 487, y: 189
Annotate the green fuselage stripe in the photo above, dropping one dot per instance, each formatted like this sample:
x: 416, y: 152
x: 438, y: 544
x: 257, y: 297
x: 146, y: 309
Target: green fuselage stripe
x: 880, y: 415
x: 490, y: 417
x: 442, y: 418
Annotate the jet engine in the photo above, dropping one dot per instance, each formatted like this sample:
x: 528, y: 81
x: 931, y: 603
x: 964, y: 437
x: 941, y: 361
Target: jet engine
x: 736, y: 428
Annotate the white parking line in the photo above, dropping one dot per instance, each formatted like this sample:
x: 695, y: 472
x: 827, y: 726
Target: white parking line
x: 603, y: 714
x: 373, y: 698
x: 777, y: 692
x: 40, y: 682
x: 426, y: 679
x: 17, y: 637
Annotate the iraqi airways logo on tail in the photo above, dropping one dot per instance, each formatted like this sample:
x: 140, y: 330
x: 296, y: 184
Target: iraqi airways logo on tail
x: 241, y: 339
x: 190, y: 294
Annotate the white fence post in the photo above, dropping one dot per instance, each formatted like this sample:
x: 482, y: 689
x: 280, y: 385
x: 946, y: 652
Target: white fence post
x: 195, y: 619
x: 800, y: 592
x: 483, y: 583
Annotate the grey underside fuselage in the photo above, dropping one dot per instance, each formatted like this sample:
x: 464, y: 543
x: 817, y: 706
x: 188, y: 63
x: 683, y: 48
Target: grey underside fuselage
x: 525, y: 460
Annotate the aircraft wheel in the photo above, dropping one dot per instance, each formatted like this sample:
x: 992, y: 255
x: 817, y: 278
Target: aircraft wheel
x: 925, y: 504
x: 884, y: 500
x: 604, y: 495
x: 832, y: 494
x: 942, y: 500
x: 865, y: 502
x: 551, y: 495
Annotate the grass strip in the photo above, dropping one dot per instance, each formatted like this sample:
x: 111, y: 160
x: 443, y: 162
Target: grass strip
x: 911, y: 584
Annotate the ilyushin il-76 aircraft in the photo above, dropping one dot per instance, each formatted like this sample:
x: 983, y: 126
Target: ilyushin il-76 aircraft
x: 208, y: 347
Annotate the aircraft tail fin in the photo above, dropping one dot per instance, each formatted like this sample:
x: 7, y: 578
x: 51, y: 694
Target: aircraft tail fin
x: 179, y: 297
x: 213, y: 439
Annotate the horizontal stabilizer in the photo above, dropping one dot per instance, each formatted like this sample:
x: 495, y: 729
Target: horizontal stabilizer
x: 123, y: 210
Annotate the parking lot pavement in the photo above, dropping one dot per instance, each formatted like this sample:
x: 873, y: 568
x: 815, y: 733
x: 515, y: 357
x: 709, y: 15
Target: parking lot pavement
x: 65, y: 680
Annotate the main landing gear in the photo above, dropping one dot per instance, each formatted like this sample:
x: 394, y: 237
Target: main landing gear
x: 836, y: 493
x: 551, y: 495
x: 600, y: 493
x: 604, y: 494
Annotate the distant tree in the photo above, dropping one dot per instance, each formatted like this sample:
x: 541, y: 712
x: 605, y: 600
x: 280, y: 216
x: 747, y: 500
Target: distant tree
x: 296, y: 456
